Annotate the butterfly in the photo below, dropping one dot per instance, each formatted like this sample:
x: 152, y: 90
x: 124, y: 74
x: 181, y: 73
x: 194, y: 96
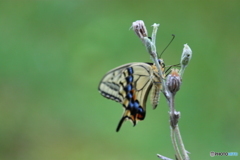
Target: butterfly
x: 130, y: 85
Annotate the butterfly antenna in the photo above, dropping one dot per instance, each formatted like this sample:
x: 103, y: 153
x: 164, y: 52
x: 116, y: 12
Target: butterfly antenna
x: 173, y: 36
x: 167, y: 71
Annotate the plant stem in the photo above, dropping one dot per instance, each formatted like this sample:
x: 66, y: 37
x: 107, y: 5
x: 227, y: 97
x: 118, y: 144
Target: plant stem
x: 175, y: 146
x: 183, y: 150
x: 173, y: 127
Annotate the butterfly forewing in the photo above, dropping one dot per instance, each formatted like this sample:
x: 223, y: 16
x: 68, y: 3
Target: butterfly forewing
x: 110, y: 86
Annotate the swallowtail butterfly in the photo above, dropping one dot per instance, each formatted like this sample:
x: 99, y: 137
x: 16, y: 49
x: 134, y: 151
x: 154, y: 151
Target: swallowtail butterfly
x: 130, y: 85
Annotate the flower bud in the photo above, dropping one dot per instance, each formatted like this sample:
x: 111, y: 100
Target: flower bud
x: 140, y: 29
x: 186, y: 55
x: 174, y: 81
x: 155, y: 25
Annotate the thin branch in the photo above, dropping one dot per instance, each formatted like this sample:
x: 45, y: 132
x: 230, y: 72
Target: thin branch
x: 163, y: 157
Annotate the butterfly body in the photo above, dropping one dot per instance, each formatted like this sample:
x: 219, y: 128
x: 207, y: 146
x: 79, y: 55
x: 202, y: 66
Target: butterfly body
x: 130, y: 85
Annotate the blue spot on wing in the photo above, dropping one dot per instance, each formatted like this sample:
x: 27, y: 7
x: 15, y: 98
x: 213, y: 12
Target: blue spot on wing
x: 130, y: 70
x: 130, y: 106
x: 129, y: 96
x: 134, y: 107
x: 128, y: 88
x: 136, y: 104
x: 129, y: 79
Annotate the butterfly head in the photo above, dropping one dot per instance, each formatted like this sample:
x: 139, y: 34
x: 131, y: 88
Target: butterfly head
x: 161, y: 63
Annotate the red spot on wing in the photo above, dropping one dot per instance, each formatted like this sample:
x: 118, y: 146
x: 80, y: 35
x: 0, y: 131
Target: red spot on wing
x: 140, y: 117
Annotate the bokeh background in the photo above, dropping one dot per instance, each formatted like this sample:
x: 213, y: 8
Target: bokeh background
x: 54, y: 53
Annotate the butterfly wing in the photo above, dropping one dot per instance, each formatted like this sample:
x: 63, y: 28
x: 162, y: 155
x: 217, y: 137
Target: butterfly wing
x: 129, y: 85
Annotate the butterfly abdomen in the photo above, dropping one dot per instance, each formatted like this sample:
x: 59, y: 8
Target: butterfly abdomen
x: 156, y: 90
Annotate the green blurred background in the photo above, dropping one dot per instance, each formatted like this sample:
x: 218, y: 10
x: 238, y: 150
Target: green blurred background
x: 54, y: 53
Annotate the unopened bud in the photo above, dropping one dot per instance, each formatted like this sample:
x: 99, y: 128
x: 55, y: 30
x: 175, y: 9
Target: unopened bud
x: 186, y: 55
x: 140, y: 29
x: 174, y: 81
x: 155, y: 25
